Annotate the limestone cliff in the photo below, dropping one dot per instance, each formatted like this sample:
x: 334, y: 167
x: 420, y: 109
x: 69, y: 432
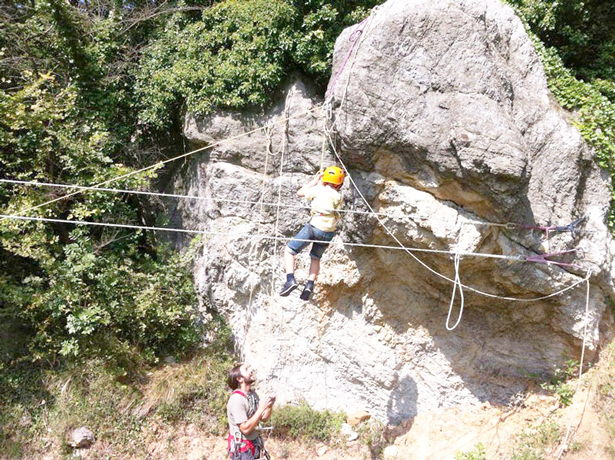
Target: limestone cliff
x: 441, y: 114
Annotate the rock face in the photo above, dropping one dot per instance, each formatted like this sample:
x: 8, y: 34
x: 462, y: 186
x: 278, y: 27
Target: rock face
x: 441, y: 114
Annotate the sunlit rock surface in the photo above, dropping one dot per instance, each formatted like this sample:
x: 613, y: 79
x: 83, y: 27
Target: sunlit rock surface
x: 441, y: 113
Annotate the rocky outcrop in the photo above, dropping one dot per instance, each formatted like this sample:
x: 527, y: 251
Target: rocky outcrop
x: 441, y: 114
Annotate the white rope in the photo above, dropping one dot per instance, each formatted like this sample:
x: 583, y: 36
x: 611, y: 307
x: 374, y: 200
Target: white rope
x: 260, y: 202
x: 456, y: 285
x: 277, y: 215
x: 161, y: 163
x: 268, y: 151
x: 206, y: 232
x: 584, y: 329
x: 267, y: 132
x: 174, y: 195
x: 568, y: 436
x: 278, y: 238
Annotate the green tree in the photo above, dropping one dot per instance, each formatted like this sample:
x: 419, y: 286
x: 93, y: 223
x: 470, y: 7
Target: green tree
x: 67, y: 115
x: 583, y: 32
x: 575, y: 41
x: 237, y: 55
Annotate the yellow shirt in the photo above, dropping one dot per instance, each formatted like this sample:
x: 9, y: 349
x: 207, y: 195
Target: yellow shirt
x: 324, y: 202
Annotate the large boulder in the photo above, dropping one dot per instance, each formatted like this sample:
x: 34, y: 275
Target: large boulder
x: 441, y: 114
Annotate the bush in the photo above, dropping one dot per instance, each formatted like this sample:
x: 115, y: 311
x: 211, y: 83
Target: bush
x: 535, y: 441
x: 558, y: 383
x: 302, y: 422
x: 39, y: 407
x: 237, y: 55
x: 583, y: 32
x: 477, y: 454
x: 566, y: 35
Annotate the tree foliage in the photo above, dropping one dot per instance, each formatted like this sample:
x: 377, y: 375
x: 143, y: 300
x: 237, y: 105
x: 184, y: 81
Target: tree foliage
x: 67, y: 116
x: 575, y: 41
x: 233, y: 57
x: 92, y: 91
x: 237, y: 54
x: 583, y: 32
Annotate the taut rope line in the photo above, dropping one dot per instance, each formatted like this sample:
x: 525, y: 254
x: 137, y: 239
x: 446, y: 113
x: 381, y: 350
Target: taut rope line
x: 508, y: 226
x: 169, y: 160
x: 279, y: 238
x: 277, y: 215
x: 568, y: 436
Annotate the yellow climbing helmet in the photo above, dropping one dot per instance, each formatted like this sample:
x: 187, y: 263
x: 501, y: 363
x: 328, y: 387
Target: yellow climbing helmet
x: 333, y: 175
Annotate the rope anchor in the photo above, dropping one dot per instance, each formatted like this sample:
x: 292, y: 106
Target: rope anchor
x: 545, y: 258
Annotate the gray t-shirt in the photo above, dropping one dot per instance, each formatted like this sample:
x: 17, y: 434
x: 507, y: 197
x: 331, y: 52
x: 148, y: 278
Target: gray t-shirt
x: 239, y: 409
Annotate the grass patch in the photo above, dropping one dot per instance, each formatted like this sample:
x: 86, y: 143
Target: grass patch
x: 304, y: 423
x: 39, y: 407
x: 534, y: 442
x: 373, y: 435
x: 559, y: 382
x: 478, y: 453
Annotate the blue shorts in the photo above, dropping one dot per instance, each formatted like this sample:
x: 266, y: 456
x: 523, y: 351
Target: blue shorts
x: 305, y: 236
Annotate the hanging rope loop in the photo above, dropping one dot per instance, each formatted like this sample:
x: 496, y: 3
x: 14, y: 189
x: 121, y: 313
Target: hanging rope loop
x: 456, y: 285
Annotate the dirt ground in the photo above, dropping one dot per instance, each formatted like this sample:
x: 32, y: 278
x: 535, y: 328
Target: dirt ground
x: 440, y: 435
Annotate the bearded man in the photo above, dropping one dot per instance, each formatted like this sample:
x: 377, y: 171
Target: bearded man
x: 245, y: 411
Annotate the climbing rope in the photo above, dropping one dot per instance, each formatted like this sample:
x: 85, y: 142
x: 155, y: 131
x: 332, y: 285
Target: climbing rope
x: 161, y: 163
x: 173, y: 195
x: 354, y: 38
x: 260, y: 202
x: 277, y: 215
x: 456, y: 286
x: 268, y: 151
x: 569, y: 434
x: 279, y: 238
x: 269, y: 237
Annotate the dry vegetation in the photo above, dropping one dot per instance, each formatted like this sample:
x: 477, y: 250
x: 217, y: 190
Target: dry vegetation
x: 176, y: 411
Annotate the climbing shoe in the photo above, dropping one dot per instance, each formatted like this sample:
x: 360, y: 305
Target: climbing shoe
x: 288, y: 287
x: 307, y: 291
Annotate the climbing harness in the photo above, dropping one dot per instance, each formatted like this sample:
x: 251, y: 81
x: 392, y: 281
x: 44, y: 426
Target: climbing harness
x: 237, y: 443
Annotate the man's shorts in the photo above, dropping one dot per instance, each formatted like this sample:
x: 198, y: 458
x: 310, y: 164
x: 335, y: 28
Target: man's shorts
x: 305, y: 236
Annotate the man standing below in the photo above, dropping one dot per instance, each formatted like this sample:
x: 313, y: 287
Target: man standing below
x: 325, y: 200
x: 244, y: 413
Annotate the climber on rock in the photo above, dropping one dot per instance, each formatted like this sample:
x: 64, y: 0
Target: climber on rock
x: 325, y: 199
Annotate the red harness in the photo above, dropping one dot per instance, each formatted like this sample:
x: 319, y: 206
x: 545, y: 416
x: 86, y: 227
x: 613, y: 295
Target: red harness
x: 239, y: 445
